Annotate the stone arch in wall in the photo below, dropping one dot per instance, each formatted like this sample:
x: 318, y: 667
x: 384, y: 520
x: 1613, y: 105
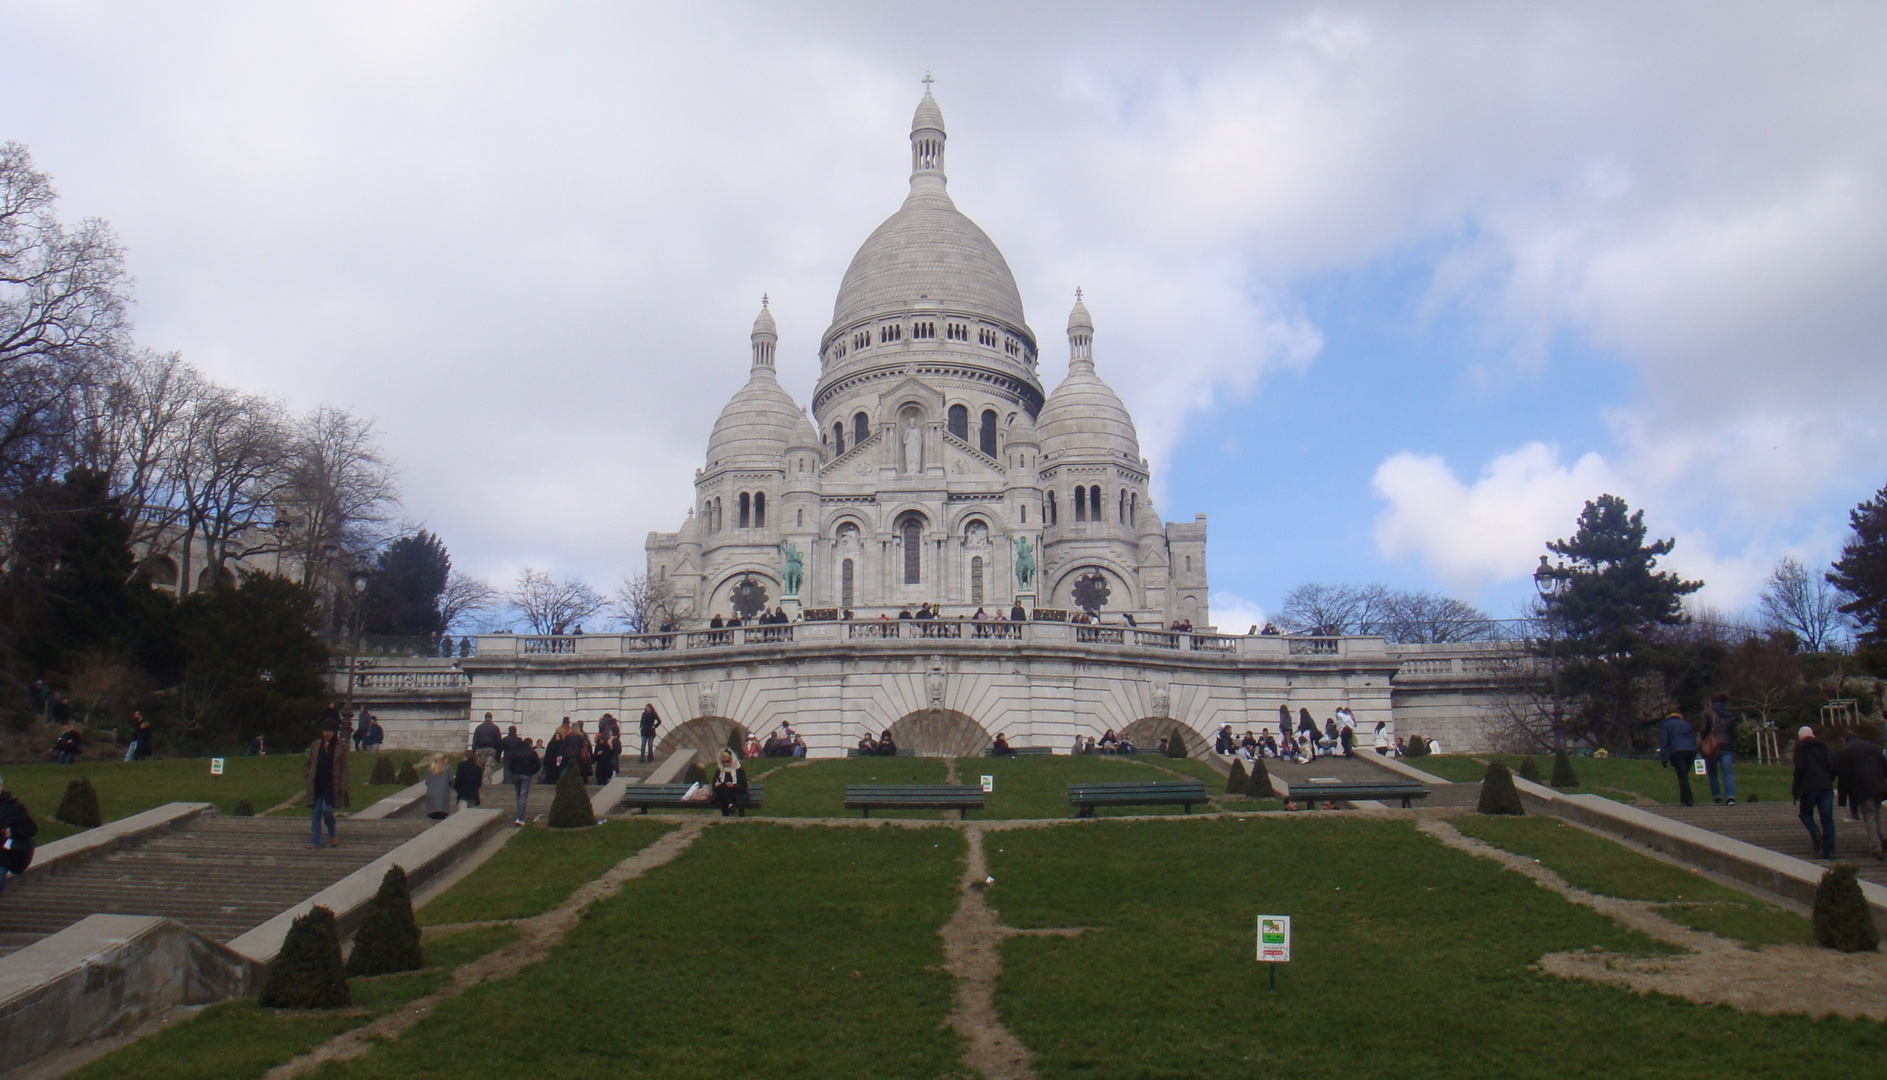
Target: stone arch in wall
x: 940, y: 733
x: 1151, y: 733
x: 705, y: 735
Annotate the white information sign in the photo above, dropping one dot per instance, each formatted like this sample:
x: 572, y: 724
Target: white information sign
x: 1274, y: 939
x: 1699, y: 768
x: 989, y: 783
x: 216, y: 766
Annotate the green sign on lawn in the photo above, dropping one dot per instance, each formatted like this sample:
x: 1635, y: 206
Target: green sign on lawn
x: 1274, y: 939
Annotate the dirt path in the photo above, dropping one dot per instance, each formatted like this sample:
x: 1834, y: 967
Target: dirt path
x: 540, y: 934
x: 951, y: 775
x: 1714, y: 971
x: 973, y: 954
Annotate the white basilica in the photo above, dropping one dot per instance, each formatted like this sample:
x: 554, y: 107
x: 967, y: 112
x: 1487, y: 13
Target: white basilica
x: 932, y: 460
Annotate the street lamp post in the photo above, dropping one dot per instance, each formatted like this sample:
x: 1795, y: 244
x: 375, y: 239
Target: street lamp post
x: 1551, y: 583
x: 358, y: 577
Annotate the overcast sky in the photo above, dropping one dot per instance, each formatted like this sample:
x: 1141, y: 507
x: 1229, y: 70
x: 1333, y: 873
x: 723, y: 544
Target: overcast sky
x: 1389, y: 292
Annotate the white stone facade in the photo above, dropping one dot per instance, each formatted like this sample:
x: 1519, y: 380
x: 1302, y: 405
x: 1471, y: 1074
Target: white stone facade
x: 932, y: 452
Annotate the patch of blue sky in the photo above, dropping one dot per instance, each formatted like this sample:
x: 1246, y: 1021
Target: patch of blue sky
x: 1285, y: 472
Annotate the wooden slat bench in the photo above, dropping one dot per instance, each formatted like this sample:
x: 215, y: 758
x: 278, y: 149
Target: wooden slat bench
x: 1085, y: 797
x: 852, y: 751
x: 869, y: 797
x: 645, y: 797
x: 1019, y: 751
x: 1351, y: 791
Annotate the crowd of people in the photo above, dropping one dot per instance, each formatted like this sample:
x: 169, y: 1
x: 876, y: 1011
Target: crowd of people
x: 1302, y: 739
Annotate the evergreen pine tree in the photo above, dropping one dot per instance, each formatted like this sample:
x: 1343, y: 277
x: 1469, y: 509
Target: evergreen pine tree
x: 388, y: 939
x: 244, y: 808
x: 1842, y: 920
x: 1259, y: 785
x: 1237, y: 783
x: 1529, y: 769
x: 1563, y: 775
x: 694, y: 774
x: 80, y: 805
x: 1498, y: 794
x: 1415, y: 747
x: 407, y: 774
x: 1176, y: 745
x: 308, y: 974
x: 570, y: 809
x: 734, y: 740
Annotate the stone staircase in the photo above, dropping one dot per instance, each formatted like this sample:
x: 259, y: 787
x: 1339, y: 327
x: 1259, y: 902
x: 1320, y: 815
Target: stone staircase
x: 503, y: 797
x: 1775, y: 826
x: 219, y: 876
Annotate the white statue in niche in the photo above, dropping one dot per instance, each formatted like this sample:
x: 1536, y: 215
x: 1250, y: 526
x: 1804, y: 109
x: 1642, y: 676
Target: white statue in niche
x: 913, y: 446
x: 976, y: 536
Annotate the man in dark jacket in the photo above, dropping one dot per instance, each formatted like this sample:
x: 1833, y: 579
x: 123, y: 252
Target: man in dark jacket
x: 1861, y: 777
x: 1677, y: 747
x: 1720, y: 724
x: 486, y: 742
x: 522, y: 762
x: 17, y: 829
x: 1814, y: 790
x: 67, y: 747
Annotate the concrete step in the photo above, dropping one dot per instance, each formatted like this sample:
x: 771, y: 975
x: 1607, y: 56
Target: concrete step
x: 1777, y: 827
x: 218, y: 876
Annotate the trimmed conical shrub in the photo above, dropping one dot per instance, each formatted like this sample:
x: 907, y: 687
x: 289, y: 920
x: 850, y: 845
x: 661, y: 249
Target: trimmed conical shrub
x: 244, y: 808
x: 1498, y: 794
x: 734, y: 741
x: 382, y: 770
x: 1175, y: 745
x: 1237, y: 783
x: 407, y: 774
x: 308, y: 974
x: 80, y: 805
x: 570, y: 809
x: 1563, y: 775
x: 694, y: 774
x: 1259, y: 786
x: 1529, y: 769
x: 388, y: 939
x: 1416, y: 746
x: 1842, y: 920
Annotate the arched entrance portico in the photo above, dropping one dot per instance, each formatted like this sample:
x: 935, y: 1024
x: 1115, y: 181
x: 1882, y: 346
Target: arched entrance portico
x: 940, y: 733
x: 705, y: 735
x: 1151, y: 732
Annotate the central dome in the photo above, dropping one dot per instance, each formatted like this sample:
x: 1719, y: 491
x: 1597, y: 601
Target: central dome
x: 927, y: 255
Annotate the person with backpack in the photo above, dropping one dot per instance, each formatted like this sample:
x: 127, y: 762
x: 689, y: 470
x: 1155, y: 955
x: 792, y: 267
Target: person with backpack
x: 522, y: 762
x: 17, y: 829
x: 486, y: 743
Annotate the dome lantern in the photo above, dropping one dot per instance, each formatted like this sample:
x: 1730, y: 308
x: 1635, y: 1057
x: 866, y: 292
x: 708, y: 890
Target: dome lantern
x: 766, y: 337
x: 927, y: 145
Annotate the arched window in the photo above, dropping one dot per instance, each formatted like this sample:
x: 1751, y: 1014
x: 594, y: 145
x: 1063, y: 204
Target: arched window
x: 163, y: 571
x: 1133, y: 508
x: 760, y: 510
x: 838, y: 437
x: 976, y: 580
x: 1025, y: 513
x: 802, y: 517
x: 1120, y: 515
x: 714, y: 523
x: 861, y: 428
x: 1094, y: 502
x: 1081, y: 503
x: 960, y: 422
x: 987, y: 436
x: 913, y: 533
x: 1053, y: 517
x: 845, y: 585
x: 746, y: 510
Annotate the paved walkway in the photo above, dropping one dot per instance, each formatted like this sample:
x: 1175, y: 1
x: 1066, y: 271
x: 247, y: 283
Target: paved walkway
x: 1775, y: 826
x: 1361, y: 769
x: 220, y: 876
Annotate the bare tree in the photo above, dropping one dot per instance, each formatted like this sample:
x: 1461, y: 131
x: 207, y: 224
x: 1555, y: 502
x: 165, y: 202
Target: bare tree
x: 1322, y: 610
x: 1402, y: 617
x: 336, y: 496
x: 1416, y: 618
x: 643, y: 605
x: 234, y: 451
x: 465, y: 598
x: 63, y: 295
x: 1804, y: 604
x: 551, y: 605
x: 132, y: 428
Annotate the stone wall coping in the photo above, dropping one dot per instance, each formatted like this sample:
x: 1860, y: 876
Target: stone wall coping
x: 112, y: 835
x: 671, y: 768
x: 422, y: 857
x: 609, y: 795
x: 393, y: 804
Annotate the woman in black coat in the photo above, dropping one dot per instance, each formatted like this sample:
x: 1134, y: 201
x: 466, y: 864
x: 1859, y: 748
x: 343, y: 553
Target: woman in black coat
x: 469, y: 780
x: 729, y: 790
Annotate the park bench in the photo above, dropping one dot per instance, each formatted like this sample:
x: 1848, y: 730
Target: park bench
x: 1085, y: 797
x: 644, y: 797
x: 852, y: 751
x: 1351, y: 791
x: 869, y: 797
x: 1019, y: 751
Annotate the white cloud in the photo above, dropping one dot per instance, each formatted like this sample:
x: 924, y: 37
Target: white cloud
x: 1234, y: 614
x: 1493, y: 530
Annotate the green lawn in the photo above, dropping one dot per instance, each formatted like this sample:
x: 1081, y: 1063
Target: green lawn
x: 237, y: 1040
x: 1598, y: 865
x: 817, y: 788
x: 1409, y: 961
x: 538, y: 869
x: 1036, y: 786
x: 1619, y: 778
x: 761, y: 951
x: 126, y: 788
